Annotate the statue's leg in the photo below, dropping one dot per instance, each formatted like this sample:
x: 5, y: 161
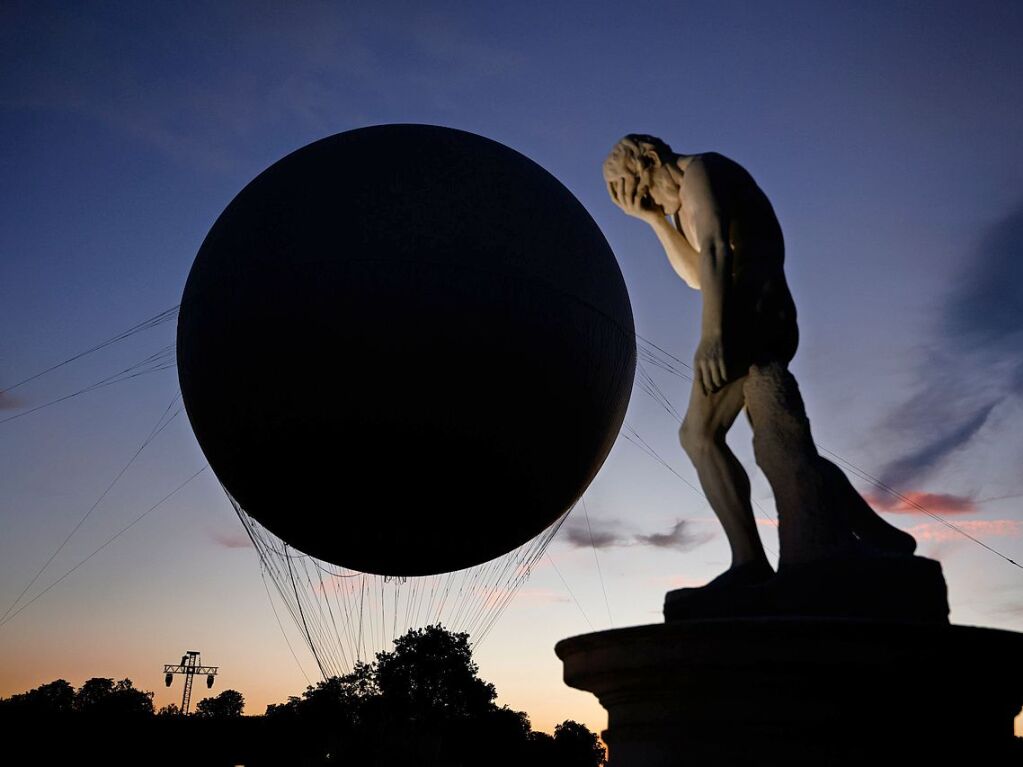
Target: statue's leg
x: 723, y: 479
x: 808, y: 526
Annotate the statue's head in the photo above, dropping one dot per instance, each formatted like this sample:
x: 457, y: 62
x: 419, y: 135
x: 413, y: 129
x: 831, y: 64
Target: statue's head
x: 647, y: 160
x: 635, y: 154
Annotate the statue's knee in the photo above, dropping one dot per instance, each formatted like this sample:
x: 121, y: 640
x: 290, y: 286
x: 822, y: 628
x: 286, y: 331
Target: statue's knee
x: 685, y: 435
x: 696, y: 439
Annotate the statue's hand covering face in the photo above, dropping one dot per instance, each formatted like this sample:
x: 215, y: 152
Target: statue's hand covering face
x: 624, y: 161
x: 641, y: 159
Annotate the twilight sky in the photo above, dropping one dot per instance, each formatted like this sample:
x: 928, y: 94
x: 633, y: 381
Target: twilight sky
x: 885, y: 134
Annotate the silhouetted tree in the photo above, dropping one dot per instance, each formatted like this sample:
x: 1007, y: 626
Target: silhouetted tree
x: 430, y: 690
x: 103, y: 697
x: 431, y: 675
x: 171, y: 709
x: 541, y: 749
x: 93, y: 694
x: 338, y: 700
x: 56, y: 697
x: 576, y: 746
x: 227, y: 704
x: 424, y: 703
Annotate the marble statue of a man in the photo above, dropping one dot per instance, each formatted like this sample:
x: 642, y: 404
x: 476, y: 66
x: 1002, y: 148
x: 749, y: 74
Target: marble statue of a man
x: 721, y: 236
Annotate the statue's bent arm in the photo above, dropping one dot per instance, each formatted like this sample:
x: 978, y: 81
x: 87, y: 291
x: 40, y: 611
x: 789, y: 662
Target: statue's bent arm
x: 682, y: 256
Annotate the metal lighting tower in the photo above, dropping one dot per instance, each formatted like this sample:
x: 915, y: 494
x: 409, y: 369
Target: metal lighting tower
x: 190, y: 666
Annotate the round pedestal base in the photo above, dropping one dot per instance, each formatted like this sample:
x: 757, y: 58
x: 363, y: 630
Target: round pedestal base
x: 800, y: 691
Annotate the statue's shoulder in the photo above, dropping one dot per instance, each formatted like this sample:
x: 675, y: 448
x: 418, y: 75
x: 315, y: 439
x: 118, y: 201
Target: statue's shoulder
x: 723, y: 173
x: 709, y: 171
x: 712, y: 164
x: 716, y: 162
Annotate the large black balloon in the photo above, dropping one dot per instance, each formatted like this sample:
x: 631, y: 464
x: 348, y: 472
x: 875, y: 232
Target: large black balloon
x: 405, y: 349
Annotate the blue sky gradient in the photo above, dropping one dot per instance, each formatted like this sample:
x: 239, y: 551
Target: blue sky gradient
x: 885, y: 134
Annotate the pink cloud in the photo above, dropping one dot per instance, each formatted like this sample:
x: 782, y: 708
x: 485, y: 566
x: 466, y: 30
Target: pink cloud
x: 914, y: 502
x: 978, y: 528
x: 540, y: 596
x: 346, y: 583
x: 682, y: 582
x: 941, y: 550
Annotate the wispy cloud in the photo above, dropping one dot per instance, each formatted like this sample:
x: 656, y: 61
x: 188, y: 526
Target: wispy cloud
x: 1012, y: 609
x: 9, y: 402
x: 918, y: 463
x: 531, y: 596
x: 210, y: 94
x: 681, y: 537
x: 231, y: 539
x: 679, y: 582
x: 580, y: 534
x: 974, y: 364
x: 609, y: 534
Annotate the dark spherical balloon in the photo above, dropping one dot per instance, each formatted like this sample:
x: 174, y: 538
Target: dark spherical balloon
x: 405, y: 349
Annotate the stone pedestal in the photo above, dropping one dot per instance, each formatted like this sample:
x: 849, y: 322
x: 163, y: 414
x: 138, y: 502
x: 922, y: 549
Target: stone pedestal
x: 797, y: 690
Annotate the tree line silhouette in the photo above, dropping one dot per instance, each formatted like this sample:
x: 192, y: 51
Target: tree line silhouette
x: 423, y: 703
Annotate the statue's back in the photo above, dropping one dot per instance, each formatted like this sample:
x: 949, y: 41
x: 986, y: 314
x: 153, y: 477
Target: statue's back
x: 761, y: 314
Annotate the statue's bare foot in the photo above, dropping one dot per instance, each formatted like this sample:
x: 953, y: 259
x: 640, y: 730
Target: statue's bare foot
x: 746, y: 574
x: 865, y: 523
x: 739, y: 591
x: 870, y: 528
